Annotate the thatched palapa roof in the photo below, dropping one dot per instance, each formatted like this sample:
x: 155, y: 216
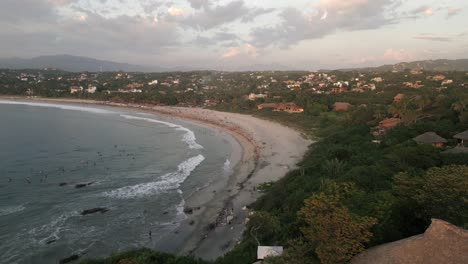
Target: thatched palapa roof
x: 462, y: 135
x: 441, y: 243
x: 429, y: 138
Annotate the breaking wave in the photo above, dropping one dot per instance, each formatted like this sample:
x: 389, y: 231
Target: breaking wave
x: 169, y: 181
x: 60, y: 106
x: 189, y: 136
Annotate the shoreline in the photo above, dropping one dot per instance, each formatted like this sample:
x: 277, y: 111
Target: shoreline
x: 268, y: 151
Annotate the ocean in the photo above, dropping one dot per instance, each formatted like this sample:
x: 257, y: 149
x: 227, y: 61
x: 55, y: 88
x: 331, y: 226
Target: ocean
x: 138, y: 169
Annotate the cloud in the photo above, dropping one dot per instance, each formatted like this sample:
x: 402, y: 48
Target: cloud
x: 333, y: 16
x: 363, y: 60
x: 397, y: 55
x: 433, y: 37
x: 246, y: 50
x: 222, y: 38
x: 251, y: 50
x: 210, y: 17
x: 423, y: 10
x: 198, y: 4
x: 174, y: 11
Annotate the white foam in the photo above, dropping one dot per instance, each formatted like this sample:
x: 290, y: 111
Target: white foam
x: 52, y: 229
x: 169, y: 181
x: 60, y: 106
x: 189, y: 136
x: 6, y: 210
x: 227, y: 165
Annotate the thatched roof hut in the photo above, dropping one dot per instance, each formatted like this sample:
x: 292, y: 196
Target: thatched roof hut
x: 430, y: 138
x: 441, y: 243
x: 462, y: 135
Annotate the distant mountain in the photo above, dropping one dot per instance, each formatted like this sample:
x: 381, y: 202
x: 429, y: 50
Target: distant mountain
x: 73, y: 64
x: 427, y: 65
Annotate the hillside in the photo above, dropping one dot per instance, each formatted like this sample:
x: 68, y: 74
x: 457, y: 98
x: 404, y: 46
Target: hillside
x: 73, y: 64
x: 427, y: 65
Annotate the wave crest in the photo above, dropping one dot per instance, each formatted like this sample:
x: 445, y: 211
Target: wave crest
x: 169, y: 181
x: 189, y: 136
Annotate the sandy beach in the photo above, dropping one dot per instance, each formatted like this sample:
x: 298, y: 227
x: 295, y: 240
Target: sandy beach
x: 216, y: 220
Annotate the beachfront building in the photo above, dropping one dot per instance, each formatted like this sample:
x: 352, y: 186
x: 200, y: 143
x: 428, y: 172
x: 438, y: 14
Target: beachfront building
x: 291, y: 108
x: 75, y: 89
x: 431, y: 138
x: 91, y: 89
x: 265, y: 252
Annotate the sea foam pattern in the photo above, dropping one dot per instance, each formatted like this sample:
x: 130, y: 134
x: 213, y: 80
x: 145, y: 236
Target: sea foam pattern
x: 6, y: 210
x: 189, y: 136
x: 169, y: 181
x: 60, y: 106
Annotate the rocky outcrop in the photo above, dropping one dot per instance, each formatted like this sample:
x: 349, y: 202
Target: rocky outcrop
x: 441, y: 243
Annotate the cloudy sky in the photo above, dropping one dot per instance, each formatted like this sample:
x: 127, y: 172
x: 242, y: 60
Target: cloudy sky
x: 302, y: 34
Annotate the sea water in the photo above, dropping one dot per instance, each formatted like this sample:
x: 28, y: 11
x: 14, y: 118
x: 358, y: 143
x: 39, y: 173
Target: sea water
x: 58, y: 160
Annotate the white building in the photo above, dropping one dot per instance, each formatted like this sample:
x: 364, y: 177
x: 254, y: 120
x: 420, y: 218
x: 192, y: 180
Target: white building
x: 253, y: 97
x: 91, y: 89
x: 153, y: 82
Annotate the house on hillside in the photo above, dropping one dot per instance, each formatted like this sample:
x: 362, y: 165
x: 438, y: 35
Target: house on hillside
x: 339, y: 90
x: 253, y: 97
x: 431, y: 138
x: 398, y: 97
x: 463, y: 136
x: 341, y: 107
x: 267, y: 106
x: 438, y: 78
x: 384, y: 126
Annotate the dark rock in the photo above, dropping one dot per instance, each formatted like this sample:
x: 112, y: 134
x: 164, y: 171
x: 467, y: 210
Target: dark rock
x: 69, y: 259
x: 80, y: 185
x: 192, y: 222
x: 165, y: 213
x: 188, y: 210
x: 63, y: 184
x: 94, y: 210
x: 51, y: 241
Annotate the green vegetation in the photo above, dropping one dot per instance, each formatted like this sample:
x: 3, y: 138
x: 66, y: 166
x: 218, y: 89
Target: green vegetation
x: 349, y: 192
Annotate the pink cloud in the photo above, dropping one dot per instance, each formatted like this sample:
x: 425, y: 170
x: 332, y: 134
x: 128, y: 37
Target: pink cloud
x: 233, y: 52
x: 174, y: 11
x: 397, y: 55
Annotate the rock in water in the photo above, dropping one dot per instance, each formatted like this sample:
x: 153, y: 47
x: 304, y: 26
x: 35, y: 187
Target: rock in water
x: 69, y: 259
x: 94, y: 210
